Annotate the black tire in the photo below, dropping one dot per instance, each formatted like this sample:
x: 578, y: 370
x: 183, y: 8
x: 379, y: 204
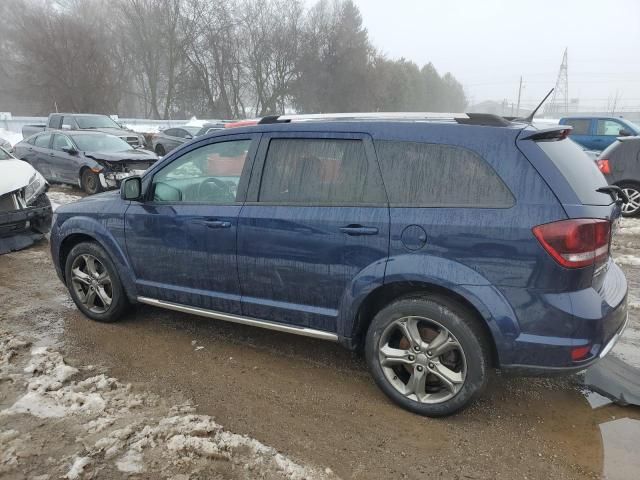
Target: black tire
x: 119, y: 302
x: 463, y: 331
x: 631, y: 209
x: 160, y: 151
x: 90, y: 182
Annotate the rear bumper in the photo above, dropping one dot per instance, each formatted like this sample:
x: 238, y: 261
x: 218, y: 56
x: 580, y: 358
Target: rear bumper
x: 586, y: 319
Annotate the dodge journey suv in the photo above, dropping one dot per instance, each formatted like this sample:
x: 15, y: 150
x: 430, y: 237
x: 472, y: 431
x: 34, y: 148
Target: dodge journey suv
x: 442, y: 248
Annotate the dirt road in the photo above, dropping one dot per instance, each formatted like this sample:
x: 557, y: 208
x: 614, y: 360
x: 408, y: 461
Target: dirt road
x: 310, y: 400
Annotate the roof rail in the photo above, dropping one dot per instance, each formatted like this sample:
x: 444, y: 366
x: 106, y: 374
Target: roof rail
x: 461, y: 118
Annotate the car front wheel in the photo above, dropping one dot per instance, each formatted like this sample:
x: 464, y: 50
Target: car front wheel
x: 94, y: 284
x: 90, y: 182
x: 428, y: 355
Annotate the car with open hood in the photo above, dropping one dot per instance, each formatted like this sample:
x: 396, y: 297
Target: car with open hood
x: 95, y: 161
x: 25, y: 210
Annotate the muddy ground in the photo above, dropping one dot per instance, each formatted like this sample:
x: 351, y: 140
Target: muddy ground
x: 309, y: 400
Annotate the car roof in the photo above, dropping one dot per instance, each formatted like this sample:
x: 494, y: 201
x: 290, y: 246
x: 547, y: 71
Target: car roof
x: 376, y: 128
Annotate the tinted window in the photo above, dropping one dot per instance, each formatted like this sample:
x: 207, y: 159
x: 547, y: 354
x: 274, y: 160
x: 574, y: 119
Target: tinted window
x: 580, y: 126
x: 60, y: 142
x: 68, y: 121
x: 609, y: 128
x: 580, y: 171
x: 208, y: 174
x: 42, y: 140
x: 431, y: 175
x: 312, y: 171
x: 55, y: 121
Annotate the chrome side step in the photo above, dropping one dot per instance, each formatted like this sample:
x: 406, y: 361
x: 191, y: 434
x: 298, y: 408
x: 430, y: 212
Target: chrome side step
x: 305, y: 332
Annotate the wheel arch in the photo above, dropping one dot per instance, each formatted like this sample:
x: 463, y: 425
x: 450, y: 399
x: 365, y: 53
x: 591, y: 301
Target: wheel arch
x: 457, y: 297
x: 78, y: 231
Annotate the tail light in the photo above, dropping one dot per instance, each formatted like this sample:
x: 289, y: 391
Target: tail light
x: 580, y: 353
x: 603, y: 166
x: 576, y: 243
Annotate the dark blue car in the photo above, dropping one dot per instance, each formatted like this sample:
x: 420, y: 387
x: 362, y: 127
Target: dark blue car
x: 442, y: 248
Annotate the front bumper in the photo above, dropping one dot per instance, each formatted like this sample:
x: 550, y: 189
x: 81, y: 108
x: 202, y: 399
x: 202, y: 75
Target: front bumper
x: 113, y: 179
x: 21, y: 228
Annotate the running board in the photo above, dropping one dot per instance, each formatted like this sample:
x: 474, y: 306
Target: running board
x: 305, y: 332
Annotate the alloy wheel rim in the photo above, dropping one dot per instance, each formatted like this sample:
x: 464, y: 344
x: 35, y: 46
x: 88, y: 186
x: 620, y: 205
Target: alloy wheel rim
x: 422, y: 360
x: 92, y: 283
x: 633, y: 205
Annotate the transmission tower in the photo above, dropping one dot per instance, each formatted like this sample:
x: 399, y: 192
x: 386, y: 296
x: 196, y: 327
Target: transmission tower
x: 560, y: 100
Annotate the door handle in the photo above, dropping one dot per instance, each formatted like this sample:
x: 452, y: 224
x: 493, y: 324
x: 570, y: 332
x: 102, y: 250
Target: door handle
x: 357, y: 230
x: 215, y: 223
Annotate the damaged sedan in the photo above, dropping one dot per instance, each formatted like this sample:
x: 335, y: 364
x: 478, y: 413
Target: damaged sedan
x: 25, y: 210
x: 94, y: 161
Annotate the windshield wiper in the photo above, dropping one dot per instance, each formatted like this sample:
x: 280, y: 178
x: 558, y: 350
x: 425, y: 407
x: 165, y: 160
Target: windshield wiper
x: 618, y: 195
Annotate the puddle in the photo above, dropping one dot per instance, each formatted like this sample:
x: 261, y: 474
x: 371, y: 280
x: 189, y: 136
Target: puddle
x: 620, y: 440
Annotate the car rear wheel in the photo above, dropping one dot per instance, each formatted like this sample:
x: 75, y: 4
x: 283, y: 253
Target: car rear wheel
x: 428, y: 355
x: 160, y: 151
x: 632, y: 207
x: 90, y: 182
x: 94, y: 284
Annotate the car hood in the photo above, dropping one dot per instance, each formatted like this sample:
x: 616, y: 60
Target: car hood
x: 14, y: 175
x: 136, y: 155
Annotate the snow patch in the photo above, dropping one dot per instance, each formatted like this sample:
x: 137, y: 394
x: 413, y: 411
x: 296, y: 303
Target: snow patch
x: 77, y: 468
x: 10, y: 137
x: 631, y: 260
x: 60, y: 198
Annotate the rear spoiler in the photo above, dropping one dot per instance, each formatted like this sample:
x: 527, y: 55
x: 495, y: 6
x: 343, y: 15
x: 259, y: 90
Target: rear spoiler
x: 549, y: 134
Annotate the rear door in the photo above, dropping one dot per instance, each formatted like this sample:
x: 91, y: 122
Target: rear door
x: 181, y: 240
x: 40, y: 155
x: 315, y: 225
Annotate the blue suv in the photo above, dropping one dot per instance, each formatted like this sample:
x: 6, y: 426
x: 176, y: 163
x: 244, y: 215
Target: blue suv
x: 442, y: 248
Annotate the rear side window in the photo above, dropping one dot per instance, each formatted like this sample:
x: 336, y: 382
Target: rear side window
x: 432, y: 175
x: 578, y: 169
x: 42, y: 140
x: 319, y: 171
x: 580, y: 126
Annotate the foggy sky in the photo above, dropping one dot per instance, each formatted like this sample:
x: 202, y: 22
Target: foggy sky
x: 488, y: 44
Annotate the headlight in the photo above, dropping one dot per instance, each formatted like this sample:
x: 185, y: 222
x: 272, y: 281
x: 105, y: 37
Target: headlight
x: 37, y: 183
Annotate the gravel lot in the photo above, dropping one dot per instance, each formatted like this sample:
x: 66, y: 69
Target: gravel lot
x: 166, y: 395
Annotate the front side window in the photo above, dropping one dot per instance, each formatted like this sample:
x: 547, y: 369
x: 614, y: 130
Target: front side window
x: 319, y: 171
x: 433, y: 175
x: 42, y: 141
x: 209, y: 174
x: 60, y: 142
x: 610, y: 128
x: 68, y: 122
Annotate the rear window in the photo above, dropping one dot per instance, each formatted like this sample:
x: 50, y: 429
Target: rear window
x: 580, y: 126
x: 579, y: 170
x: 432, y: 175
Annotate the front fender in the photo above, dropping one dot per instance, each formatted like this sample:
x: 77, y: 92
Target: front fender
x: 106, y: 233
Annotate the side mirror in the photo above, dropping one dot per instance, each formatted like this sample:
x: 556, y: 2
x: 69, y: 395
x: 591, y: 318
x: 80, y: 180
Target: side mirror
x: 69, y: 150
x: 624, y: 133
x: 131, y: 188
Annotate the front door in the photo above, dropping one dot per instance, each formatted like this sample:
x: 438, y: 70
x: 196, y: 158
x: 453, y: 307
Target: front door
x: 64, y: 166
x: 315, y: 228
x: 181, y: 241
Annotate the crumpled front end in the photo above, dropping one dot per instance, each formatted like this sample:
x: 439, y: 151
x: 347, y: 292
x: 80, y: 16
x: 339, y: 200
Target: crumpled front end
x: 113, y: 173
x: 25, y: 215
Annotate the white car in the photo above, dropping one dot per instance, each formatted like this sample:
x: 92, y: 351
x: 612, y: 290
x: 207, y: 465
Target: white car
x: 25, y: 209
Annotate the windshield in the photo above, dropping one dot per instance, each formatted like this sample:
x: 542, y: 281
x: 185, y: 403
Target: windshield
x: 4, y: 155
x: 95, y: 121
x: 100, y: 143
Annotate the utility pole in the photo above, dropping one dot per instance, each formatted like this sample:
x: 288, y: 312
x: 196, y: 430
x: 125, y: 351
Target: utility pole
x: 519, y: 94
x: 560, y: 100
